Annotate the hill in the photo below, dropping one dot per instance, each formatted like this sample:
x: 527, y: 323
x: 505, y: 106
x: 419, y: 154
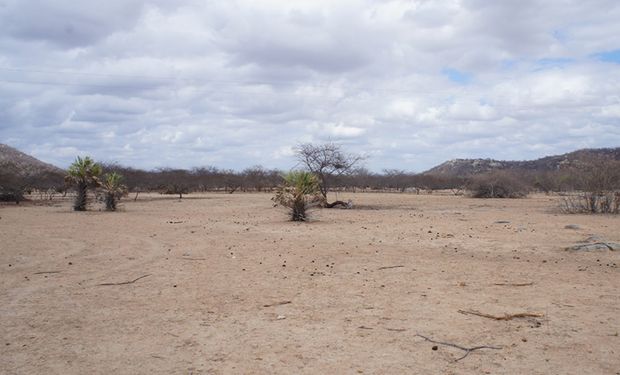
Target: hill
x: 19, y: 170
x: 469, y: 167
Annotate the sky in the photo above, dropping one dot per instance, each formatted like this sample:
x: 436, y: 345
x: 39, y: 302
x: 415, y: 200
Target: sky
x: 238, y: 83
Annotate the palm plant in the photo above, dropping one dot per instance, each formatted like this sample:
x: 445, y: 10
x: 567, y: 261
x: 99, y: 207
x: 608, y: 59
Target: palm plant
x: 113, y: 190
x: 82, y: 174
x: 300, y: 191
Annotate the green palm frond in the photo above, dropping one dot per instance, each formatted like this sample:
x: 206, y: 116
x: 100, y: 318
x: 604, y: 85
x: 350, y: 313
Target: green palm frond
x: 301, y: 191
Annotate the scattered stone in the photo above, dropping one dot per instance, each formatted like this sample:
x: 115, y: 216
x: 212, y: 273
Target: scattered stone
x: 572, y: 226
x: 280, y: 317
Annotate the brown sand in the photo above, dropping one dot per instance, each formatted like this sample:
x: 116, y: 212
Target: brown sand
x: 215, y: 261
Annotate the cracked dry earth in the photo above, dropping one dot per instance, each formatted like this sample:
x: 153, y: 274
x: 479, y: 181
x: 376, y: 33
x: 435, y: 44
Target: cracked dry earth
x: 232, y: 287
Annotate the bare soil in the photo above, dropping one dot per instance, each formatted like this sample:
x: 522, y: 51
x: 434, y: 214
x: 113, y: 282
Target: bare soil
x: 233, y: 287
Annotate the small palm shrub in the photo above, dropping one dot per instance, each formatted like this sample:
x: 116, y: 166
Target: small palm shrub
x: 83, y: 174
x: 300, y: 192
x: 113, y: 190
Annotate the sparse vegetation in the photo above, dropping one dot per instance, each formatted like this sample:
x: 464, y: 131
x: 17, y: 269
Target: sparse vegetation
x: 83, y: 174
x: 300, y: 192
x: 497, y: 184
x: 326, y: 161
x: 599, y: 183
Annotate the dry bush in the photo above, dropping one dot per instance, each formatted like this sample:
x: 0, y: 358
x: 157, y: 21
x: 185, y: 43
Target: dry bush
x: 593, y: 203
x: 497, y: 184
x: 600, y: 188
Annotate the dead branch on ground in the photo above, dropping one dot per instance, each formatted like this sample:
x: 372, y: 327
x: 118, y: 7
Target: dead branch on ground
x: 514, y: 284
x: 466, y: 350
x: 44, y: 272
x: 502, y: 317
x: 388, y: 267
x: 124, y: 282
x: 278, y: 303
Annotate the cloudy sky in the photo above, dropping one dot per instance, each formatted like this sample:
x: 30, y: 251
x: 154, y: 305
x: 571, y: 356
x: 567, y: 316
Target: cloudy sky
x: 235, y: 83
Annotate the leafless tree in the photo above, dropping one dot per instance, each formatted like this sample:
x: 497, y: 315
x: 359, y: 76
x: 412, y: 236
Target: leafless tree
x: 326, y: 161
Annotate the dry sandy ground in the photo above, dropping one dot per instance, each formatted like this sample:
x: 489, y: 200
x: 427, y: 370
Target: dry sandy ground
x: 215, y: 262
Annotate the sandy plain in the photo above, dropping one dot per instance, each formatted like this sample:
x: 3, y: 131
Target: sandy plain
x: 233, y: 287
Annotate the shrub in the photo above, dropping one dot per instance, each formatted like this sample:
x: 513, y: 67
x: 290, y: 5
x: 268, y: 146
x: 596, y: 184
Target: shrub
x: 590, y: 202
x: 83, y: 174
x: 300, y: 192
x: 497, y: 185
x: 113, y: 190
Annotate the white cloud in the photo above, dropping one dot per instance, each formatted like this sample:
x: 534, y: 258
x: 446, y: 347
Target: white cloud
x: 236, y: 83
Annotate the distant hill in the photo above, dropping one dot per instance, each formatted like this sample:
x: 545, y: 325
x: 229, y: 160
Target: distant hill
x: 21, y: 168
x: 469, y: 167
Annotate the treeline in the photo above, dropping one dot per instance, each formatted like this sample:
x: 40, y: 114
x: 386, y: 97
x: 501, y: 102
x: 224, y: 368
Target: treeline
x: 597, y: 175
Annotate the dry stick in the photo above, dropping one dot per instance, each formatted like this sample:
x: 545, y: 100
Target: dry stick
x: 124, y: 282
x: 388, y: 267
x: 467, y: 350
x: 396, y: 329
x: 278, y: 303
x: 502, y: 317
x: 514, y: 284
x: 193, y: 258
x: 44, y: 272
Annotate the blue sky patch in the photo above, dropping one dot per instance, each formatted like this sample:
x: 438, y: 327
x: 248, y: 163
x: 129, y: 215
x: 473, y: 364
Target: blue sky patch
x: 608, y: 56
x: 457, y: 76
x: 553, y: 63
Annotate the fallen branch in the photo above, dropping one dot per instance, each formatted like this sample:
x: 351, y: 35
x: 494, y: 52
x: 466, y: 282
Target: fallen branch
x: 514, y: 284
x: 192, y: 258
x: 396, y: 329
x: 337, y: 203
x: 278, y: 303
x: 502, y: 317
x: 124, y: 282
x: 364, y: 327
x: 466, y: 350
x: 388, y: 267
x: 44, y: 272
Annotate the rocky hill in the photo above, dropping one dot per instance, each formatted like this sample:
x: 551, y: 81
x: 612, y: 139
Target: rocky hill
x: 468, y: 167
x: 17, y: 167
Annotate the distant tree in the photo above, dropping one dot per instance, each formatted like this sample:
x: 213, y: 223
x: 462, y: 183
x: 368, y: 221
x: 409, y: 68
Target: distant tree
x: 113, y: 190
x: 325, y: 161
x: 497, y: 184
x: 299, y: 193
x: 83, y: 174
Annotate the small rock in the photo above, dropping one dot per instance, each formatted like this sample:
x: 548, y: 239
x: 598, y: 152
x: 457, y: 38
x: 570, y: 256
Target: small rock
x: 434, y: 347
x: 280, y: 317
x: 572, y: 226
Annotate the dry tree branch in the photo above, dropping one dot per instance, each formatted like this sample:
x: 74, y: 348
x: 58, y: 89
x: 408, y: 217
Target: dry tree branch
x: 514, y: 284
x: 466, y: 350
x: 502, y: 317
x: 388, y: 267
x: 124, y: 282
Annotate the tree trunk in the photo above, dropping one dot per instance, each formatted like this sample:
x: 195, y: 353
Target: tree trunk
x: 110, y: 202
x: 81, y: 197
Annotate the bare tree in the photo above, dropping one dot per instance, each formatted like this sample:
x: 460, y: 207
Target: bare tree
x: 326, y: 161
